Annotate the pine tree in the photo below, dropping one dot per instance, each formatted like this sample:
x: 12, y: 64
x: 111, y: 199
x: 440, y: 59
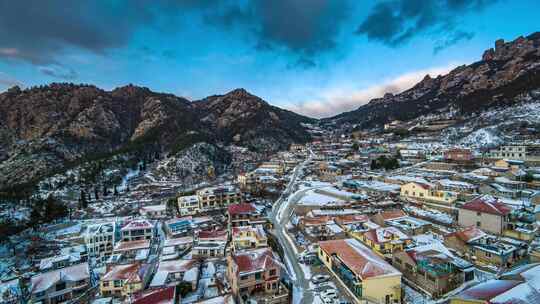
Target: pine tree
x: 96, y: 193
x: 35, y: 215
x: 115, y: 191
x: 83, y: 202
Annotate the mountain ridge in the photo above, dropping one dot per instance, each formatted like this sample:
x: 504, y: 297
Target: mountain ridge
x: 504, y: 72
x: 43, y: 129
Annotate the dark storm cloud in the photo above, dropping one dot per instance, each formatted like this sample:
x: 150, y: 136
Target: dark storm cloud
x: 304, y: 27
x: 39, y: 32
x: 454, y: 38
x: 57, y: 71
x: 396, y: 22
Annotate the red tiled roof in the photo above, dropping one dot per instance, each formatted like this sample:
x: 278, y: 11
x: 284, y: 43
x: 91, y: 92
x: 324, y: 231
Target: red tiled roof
x: 351, y: 219
x: 123, y: 272
x: 359, y: 258
x: 423, y: 185
x: 210, y: 234
x: 163, y: 295
x: 488, y: 290
x: 241, y: 208
x: 468, y: 234
x: 316, y: 221
x: 487, y: 204
x: 392, y: 214
x: 253, y: 260
x: 132, y: 245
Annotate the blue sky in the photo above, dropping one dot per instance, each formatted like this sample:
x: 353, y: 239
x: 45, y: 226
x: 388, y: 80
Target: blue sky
x: 316, y: 57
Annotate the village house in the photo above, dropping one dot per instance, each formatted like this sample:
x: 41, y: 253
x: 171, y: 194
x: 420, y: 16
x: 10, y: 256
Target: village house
x: 141, y: 229
x: 99, y: 240
x: 164, y: 295
x: 130, y: 251
x: 428, y: 192
x: 247, y: 237
x: 244, y: 214
x: 178, y: 226
x: 60, y: 285
x: 483, y: 248
x: 433, y: 268
x: 174, y: 248
x: 519, y: 285
x: 458, y: 155
x: 365, y: 274
x: 485, y: 212
x: 154, y: 211
x: 122, y: 281
x: 170, y: 273
x: 381, y: 217
x: 410, y: 225
x: 218, y: 198
x: 383, y: 240
x: 255, y: 275
x: 188, y: 205
x: 527, y: 153
x: 210, y: 244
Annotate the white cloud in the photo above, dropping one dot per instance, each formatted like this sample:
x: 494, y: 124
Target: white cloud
x: 337, y: 100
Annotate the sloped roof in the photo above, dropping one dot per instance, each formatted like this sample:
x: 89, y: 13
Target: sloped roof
x: 392, y: 214
x: 469, y: 234
x: 254, y: 260
x: 242, y: 208
x: 351, y: 219
x: 44, y: 281
x: 130, y: 272
x: 488, y: 290
x: 487, y: 204
x: 359, y: 258
x: 211, y: 234
x: 163, y: 295
x: 385, y: 234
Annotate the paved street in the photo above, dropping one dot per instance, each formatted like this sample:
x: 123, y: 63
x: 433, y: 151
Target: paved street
x: 281, y: 215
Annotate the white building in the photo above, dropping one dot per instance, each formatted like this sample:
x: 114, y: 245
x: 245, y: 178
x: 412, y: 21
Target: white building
x: 135, y: 230
x: 99, y: 240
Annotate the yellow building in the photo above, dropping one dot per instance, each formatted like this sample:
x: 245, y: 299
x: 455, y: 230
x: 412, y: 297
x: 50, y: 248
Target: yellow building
x: 427, y: 192
x: 247, y: 237
x: 124, y: 280
x: 383, y: 240
x: 366, y: 275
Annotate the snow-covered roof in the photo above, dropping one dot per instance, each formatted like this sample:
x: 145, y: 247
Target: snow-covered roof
x: 44, y: 281
x: 359, y: 258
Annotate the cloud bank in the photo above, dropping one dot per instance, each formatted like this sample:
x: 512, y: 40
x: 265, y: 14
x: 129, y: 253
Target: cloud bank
x: 396, y: 22
x: 338, y: 100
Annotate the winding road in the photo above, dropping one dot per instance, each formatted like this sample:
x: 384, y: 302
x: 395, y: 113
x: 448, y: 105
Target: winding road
x: 281, y: 216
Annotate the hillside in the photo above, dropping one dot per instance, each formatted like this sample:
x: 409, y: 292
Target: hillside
x: 46, y: 130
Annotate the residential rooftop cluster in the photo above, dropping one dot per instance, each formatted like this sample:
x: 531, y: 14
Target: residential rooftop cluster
x: 348, y: 218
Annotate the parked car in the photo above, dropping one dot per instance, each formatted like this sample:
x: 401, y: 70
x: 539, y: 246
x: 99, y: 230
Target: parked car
x: 330, y: 293
x: 320, y: 278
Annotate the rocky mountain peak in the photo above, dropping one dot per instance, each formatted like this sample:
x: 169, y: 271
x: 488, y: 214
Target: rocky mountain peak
x: 506, y: 72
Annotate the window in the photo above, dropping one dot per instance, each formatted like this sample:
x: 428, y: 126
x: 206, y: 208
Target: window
x: 244, y: 277
x: 258, y: 276
x: 60, y: 286
x: 478, y: 224
x: 488, y: 254
x: 272, y: 272
x: 478, y: 213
